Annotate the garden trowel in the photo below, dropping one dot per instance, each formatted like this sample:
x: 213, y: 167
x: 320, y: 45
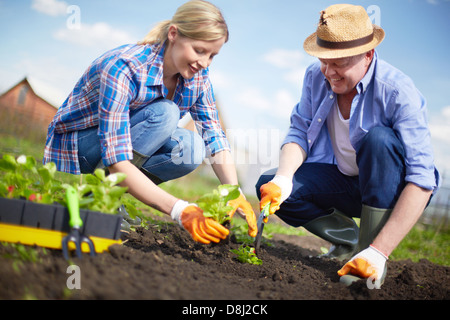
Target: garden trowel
x: 260, y: 225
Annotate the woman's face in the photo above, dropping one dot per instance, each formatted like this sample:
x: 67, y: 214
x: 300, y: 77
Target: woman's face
x: 188, y: 56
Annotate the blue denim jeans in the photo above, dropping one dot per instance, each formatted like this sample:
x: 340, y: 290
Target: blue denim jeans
x: 160, y: 149
x: 318, y: 188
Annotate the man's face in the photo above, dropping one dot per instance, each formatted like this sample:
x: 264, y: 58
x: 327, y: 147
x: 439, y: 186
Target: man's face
x: 343, y: 74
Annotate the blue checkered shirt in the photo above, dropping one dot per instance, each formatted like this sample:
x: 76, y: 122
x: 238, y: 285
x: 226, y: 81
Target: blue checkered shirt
x: 123, y: 79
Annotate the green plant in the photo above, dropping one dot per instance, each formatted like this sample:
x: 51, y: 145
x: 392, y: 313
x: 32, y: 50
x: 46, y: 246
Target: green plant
x: 215, y: 204
x: 246, y: 254
x: 21, y: 178
x: 101, y: 192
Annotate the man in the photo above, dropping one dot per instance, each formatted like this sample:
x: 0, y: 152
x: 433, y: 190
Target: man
x: 358, y: 146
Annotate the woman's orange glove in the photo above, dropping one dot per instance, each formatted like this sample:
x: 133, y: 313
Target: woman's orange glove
x: 245, y: 209
x: 275, y: 192
x: 202, y: 229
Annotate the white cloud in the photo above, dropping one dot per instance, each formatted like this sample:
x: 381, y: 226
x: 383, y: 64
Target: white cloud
x: 440, y: 126
x: 220, y: 79
x: 283, y: 58
x: 50, y: 7
x: 50, y: 71
x: 294, y: 62
x: 100, y: 35
x: 440, y: 135
x: 253, y: 98
x: 277, y: 105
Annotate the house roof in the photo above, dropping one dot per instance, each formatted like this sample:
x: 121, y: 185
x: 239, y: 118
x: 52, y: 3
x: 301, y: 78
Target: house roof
x: 45, y: 91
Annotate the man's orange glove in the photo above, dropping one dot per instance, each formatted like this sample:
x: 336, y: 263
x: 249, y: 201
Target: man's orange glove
x: 275, y: 192
x: 369, y: 263
x: 244, y: 208
x: 202, y: 229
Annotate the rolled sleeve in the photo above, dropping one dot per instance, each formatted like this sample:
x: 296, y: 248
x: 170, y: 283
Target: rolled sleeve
x: 410, y: 122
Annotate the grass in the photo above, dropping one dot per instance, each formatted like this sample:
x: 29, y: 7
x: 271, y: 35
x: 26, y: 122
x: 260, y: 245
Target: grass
x: 423, y: 241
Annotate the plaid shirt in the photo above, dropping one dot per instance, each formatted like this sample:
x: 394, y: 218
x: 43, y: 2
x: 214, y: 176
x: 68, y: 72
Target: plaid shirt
x: 123, y: 79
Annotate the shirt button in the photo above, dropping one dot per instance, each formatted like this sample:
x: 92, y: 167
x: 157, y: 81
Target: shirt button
x: 319, y: 120
x: 309, y: 141
x: 331, y: 96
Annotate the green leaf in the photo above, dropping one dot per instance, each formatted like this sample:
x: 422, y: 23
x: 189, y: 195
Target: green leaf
x: 228, y: 192
x: 8, y: 163
x: 92, y: 180
x: 30, y: 163
x: 247, y: 254
x: 100, y: 173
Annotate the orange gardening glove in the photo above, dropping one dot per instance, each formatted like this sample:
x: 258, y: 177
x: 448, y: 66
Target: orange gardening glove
x: 368, y: 263
x: 270, y: 193
x: 245, y: 209
x: 202, y: 229
x: 275, y: 192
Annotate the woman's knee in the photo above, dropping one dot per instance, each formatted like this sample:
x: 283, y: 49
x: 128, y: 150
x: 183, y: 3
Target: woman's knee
x: 161, y: 112
x: 191, y: 149
x: 167, y: 111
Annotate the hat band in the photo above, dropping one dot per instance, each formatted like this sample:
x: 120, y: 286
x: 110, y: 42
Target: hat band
x: 344, y: 44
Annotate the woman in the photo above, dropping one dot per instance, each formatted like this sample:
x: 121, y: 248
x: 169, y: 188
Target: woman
x: 123, y: 114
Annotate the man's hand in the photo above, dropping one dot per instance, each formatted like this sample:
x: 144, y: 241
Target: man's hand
x: 202, y: 229
x: 368, y: 263
x: 244, y: 209
x: 275, y: 192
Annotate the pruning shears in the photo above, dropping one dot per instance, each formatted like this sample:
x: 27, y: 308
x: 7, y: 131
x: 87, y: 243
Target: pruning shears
x: 260, y: 225
x: 75, y: 224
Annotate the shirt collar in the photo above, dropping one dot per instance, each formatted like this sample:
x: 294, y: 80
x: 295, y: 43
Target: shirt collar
x: 364, y: 83
x: 155, y: 65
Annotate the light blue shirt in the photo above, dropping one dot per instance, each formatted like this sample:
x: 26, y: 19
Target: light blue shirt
x: 385, y: 97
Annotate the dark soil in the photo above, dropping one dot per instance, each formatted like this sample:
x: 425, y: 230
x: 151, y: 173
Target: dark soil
x: 165, y: 263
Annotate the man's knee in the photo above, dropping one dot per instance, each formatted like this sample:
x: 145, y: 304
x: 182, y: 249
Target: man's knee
x: 378, y: 138
x: 263, y: 179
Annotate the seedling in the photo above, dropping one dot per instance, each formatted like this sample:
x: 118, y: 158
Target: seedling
x: 247, y: 254
x: 21, y: 178
x: 101, y: 193
x: 215, y: 204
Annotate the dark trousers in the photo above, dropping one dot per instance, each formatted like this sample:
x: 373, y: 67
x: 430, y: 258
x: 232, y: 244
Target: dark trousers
x: 320, y: 187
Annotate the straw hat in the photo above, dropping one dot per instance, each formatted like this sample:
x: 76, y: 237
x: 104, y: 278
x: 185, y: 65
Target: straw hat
x: 344, y: 30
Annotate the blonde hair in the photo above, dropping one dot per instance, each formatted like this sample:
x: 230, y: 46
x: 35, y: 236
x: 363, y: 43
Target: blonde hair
x: 196, y: 19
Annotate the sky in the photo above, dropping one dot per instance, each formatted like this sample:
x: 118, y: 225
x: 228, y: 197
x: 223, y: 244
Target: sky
x: 257, y: 76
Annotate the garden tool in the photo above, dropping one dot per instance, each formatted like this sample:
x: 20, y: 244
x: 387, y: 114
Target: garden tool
x: 338, y: 229
x: 75, y: 224
x: 264, y: 214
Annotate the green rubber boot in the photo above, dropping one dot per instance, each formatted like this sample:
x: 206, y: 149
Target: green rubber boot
x: 338, y: 229
x: 372, y: 221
